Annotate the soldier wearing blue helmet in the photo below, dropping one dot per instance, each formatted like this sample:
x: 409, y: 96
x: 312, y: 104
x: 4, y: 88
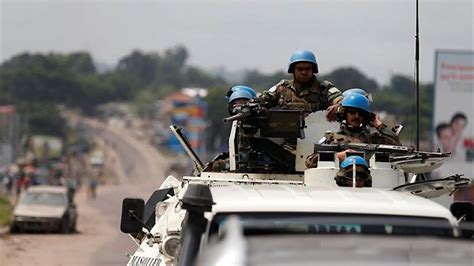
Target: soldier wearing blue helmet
x: 356, y: 119
x: 304, y: 91
x: 358, y: 91
x: 239, y: 95
x: 345, y: 175
x: 241, y: 88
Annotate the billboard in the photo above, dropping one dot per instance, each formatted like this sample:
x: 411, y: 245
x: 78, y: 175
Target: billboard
x: 453, y: 123
x: 190, y: 115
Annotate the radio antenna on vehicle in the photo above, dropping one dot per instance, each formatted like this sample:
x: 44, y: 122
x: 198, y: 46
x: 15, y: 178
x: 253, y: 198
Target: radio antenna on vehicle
x: 417, y: 80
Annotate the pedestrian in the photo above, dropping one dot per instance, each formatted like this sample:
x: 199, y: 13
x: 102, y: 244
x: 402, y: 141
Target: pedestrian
x: 7, y: 184
x: 93, y: 187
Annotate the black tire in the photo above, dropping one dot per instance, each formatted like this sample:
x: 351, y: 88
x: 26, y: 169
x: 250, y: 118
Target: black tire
x: 14, y: 228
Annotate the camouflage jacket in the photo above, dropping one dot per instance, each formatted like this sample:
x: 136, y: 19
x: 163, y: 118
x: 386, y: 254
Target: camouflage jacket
x: 290, y: 95
x: 348, y: 135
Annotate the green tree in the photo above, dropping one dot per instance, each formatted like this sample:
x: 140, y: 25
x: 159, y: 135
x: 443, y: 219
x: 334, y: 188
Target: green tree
x: 195, y: 77
x: 43, y: 119
x: 139, y: 67
x: 260, y: 81
x: 349, y: 77
x: 218, y: 132
x: 402, y: 84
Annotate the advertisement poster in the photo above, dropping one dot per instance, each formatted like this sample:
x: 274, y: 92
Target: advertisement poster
x: 453, y: 123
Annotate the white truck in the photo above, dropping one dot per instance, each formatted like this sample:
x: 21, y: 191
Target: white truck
x: 175, y: 225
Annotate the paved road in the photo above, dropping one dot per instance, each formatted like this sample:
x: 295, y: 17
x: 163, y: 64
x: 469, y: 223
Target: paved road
x: 99, y: 240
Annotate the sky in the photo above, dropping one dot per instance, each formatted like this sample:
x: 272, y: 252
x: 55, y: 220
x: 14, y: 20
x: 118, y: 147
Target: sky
x: 375, y: 36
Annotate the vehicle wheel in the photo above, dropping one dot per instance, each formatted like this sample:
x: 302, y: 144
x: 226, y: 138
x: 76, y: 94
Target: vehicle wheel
x: 64, y: 227
x: 14, y: 228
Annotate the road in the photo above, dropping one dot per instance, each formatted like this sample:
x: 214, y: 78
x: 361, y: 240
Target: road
x: 140, y: 170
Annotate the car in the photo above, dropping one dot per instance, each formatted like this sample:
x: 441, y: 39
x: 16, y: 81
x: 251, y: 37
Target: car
x: 44, y: 209
x: 97, y: 158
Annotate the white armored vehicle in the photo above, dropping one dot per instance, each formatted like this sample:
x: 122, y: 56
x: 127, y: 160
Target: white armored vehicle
x: 264, y: 183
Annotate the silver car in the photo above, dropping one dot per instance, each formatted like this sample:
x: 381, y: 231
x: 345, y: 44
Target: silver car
x: 44, y: 208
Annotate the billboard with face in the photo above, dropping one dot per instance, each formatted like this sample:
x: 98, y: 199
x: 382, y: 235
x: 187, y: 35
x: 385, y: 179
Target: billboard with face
x: 453, y: 126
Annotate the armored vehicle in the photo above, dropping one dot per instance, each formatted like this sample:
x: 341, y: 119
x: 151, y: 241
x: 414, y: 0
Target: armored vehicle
x: 262, y: 181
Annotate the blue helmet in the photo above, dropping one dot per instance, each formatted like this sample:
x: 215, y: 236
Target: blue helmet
x: 240, y: 94
x: 345, y: 174
x: 302, y: 56
x: 355, y: 100
x: 354, y: 159
x: 241, y: 88
x: 358, y: 91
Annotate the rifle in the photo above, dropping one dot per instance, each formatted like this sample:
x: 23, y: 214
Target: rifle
x: 403, y: 151
x: 252, y: 109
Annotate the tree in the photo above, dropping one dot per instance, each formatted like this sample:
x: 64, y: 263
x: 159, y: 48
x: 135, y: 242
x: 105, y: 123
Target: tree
x: 139, y: 67
x: 349, y: 77
x: 195, y: 77
x: 402, y: 84
x: 218, y: 132
x: 260, y: 82
x: 81, y: 62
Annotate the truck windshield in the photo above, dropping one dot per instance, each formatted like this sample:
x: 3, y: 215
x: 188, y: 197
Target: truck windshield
x: 330, y: 223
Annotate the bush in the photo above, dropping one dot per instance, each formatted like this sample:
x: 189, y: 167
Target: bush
x: 5, y: 211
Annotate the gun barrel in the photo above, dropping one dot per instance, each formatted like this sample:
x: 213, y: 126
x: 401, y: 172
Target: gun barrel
x: 361, y: 147
x: 239, y: 116
x: 187, y: 147
x: 377, y: 147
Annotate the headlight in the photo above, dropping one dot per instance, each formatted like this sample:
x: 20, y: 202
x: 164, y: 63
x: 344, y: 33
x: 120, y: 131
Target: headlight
x: 170, y: 245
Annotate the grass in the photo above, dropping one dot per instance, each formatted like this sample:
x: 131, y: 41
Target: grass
x: 5, y: 211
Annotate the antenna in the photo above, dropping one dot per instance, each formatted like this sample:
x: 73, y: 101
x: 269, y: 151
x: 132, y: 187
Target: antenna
x: 354, y: 179
x: 417, y: 80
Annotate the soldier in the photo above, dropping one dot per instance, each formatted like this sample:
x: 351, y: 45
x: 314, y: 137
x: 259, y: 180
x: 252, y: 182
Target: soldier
x: 358, y: 91
x: 355, y: 118
x: 345, y: 175
x: 304, y: 91
x: 239, y: 95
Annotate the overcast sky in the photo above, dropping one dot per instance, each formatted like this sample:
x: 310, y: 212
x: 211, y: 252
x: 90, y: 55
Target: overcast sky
x: 375, y: 36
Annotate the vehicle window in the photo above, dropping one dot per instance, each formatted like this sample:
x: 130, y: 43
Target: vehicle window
x: 308, y: 223
x: 44, y: 198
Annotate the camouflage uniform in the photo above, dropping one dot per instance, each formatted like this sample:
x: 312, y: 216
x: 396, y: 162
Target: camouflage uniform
x: 291, y: 95
x: 347, y: 135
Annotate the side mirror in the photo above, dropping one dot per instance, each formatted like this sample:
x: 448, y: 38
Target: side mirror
x: 132, y: 215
